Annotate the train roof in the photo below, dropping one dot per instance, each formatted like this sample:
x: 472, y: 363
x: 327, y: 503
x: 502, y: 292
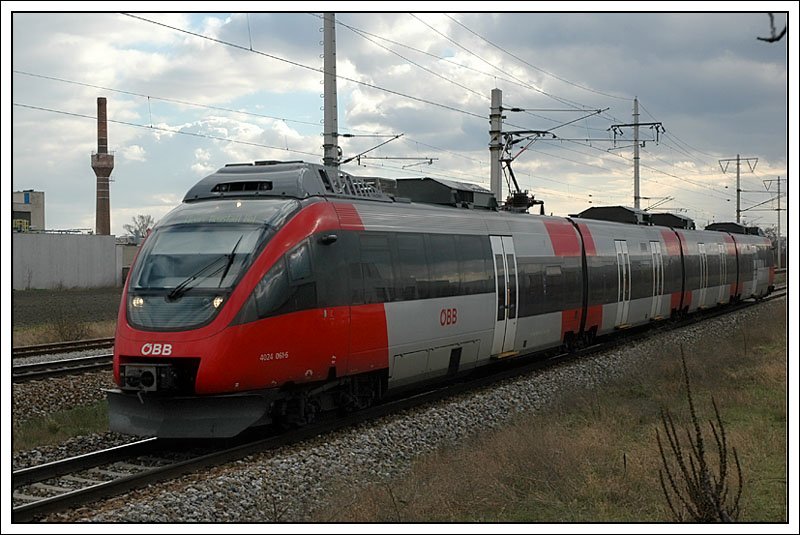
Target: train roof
x: 271, y: 178
x: 300, y: 180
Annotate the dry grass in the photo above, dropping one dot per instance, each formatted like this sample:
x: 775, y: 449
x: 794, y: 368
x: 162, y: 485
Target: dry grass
x: 61, y: 332
x: 44, y: 316
x: 594, y: 457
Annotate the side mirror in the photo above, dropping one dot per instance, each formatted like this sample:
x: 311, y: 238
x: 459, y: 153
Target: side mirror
x: 328, y: 239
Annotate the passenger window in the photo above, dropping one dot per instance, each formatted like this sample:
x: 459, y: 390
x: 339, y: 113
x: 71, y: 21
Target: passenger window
x: 552, y: 282
x: 376, y: 268
x: 411, y: 267
x: 445, y: 279
x: 472, y: 265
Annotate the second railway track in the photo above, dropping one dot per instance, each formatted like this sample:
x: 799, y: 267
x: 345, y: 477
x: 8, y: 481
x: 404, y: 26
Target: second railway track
x: 55, y: 368
x: 61, y: 347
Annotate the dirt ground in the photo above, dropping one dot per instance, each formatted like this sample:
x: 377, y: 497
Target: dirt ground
x: 38, y: 307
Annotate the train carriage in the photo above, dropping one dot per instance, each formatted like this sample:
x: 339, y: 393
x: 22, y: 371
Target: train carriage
x: 756, y: 265
x: 711, y: 269
x: 634, y: 273
x: 276, y: 291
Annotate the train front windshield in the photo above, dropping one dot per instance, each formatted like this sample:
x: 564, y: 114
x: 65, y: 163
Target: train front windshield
x: 194, y: 258
x: 184, y: 257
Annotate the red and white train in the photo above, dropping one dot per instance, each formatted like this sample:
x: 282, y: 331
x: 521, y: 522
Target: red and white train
x: 276, y: 291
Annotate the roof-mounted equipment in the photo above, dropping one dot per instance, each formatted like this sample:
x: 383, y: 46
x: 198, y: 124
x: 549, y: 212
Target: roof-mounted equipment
x: 446, y: 192
x: 618, y: 214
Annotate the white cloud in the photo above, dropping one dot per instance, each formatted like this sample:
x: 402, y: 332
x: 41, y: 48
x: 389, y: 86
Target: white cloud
x: 201, y: 165
x: 133, y: 153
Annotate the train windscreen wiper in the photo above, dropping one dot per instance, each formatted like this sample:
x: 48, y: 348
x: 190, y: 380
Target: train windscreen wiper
x: 231, y: 256
x: 183, y: 287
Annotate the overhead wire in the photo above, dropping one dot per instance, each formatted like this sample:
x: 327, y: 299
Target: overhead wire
x: 505, y: 50
x: 434, y: 56
x: 523, y: 84
x: 364, y: 33
x: 493, y: 65
x: 307, y: 67
x: 167, y: 130
x: 165, y: 99
x: 678, y: 142
x: 366, y: 36
x: 648, y: 167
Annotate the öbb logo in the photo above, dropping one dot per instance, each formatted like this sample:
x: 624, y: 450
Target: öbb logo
x: 157, y: 349
x: 448, y: 316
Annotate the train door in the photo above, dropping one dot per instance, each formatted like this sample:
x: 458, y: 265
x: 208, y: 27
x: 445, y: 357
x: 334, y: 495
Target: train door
x: 658, y: 278
x: 701, y: 247
x: 724, y: 289
x: 754, y: 253
x: 505, y: 273
x: 623, y: 282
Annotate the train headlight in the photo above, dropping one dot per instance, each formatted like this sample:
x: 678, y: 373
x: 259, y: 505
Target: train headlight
x: 217, y: 301
x: 137, y: 302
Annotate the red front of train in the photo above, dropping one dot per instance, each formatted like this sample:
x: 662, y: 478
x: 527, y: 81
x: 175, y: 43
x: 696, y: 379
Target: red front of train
x: 206, y: 334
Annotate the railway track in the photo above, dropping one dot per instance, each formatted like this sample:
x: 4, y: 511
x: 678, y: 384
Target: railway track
x: 55, y: 368
x: 64, y: 484
x: 61, y: 347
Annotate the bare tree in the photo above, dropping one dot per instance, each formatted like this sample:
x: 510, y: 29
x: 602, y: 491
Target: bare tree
x: 694, y: 491
x: 773, y: 38
x: 141, y: 224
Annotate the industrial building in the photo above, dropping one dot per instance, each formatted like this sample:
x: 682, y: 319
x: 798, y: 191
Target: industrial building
x: 27, y: 210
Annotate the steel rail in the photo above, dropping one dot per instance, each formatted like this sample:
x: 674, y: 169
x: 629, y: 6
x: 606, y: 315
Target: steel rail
x: 55, y: 368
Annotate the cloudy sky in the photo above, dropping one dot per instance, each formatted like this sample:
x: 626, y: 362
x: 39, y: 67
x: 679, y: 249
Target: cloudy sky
x: 190, y: 92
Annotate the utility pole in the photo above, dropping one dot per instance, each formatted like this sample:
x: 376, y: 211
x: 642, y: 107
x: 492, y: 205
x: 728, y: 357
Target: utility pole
x: 496, y: 145
x: 330, y: 145
x: 779, y: 222
x: 770, y: 181
x: 636, y: 152
x: 738, y: 161
x: 617, y: 129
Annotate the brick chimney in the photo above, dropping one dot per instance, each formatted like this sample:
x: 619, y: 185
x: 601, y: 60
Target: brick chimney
x: 103, y: 164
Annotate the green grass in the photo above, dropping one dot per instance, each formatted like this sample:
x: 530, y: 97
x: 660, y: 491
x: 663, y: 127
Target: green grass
x: 57, y: 427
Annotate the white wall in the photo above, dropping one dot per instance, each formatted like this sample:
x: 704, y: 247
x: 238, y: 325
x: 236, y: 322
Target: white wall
x: 65, y: 260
